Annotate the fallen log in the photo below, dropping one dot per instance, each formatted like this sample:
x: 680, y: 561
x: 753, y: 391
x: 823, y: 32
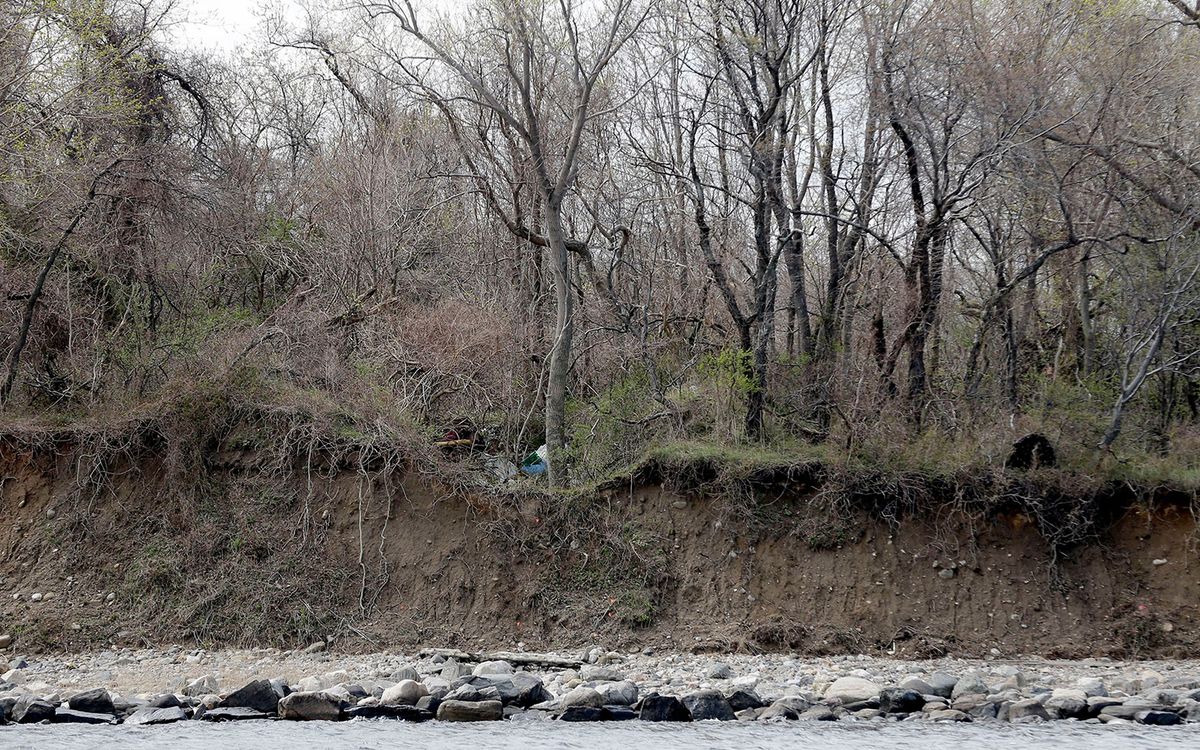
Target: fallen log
x: 512, y: 657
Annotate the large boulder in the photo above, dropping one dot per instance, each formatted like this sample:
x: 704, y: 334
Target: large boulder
x: 96, y: 701
x: 310, y: 707
x: 259, y: 695
x: 529, y: 690
x: 1030, y: 709
x: 942, y: 684
x: 788, y: 708
x: 740, y: 700
x: 1066, y: 703
x: 30, y: 709
x: 596, y: 673
x: 406, y: 672
x: 708, y: 704
x: 151, y: 716
x: 1158, y: 718
x: 406, y: 692
x: 851, y: 690
x: 657, y: 707
x: 972, y: 683
x: 451, y: 710
x: 583, y: 713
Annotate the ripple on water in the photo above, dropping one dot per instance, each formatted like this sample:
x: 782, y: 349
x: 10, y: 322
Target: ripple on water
x: 539, y: 735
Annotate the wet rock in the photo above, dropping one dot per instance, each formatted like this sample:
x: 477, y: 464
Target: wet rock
x: 406, y: 692
x: 785, y: 708
x: 152, y: 716
x: 493, y: 667
x: 947, y: 714
x: 740, y: 700
x: 900, y: 701
x: 818, y: 713
x: 30, y: 709
x: 1158, y: 718
x: 430, y: 703
x: 583, y: 713
x: 310, y: 707
x: 231, y: 714
x: 746, y: 714
x: 259, y: 695
x: 851, y: 690
x: 657, y: 707
x: 398, y: 712
x: 451, y: 710
x: 96, y: 701
x: 581, y: 696
x: 708, y: 704
x: 72, y: 716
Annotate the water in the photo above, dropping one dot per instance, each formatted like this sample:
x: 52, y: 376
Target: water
x: 539, y: 735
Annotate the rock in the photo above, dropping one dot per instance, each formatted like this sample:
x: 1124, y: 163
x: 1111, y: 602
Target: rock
x: 399, y: 712
x: 1068, y: 703
x: 474, y: 694
x: 900, y: 701
x: 657, y: 707
x: 258, y: 694
x: 581, y: 696
x: 746, y: 714
x: 96, y: 701
x: 430, y: 703
x: 201, y: 686
x: 719, y: 671
x: 942, y: 684
x: 1092, y: 687
x: 971, y: 683
x: 14, y: 676
x: 316, y: 648
x: 5, y: 640
x: 150, y: 716
x: 594, y: 673
x: 530, y: 690
x: 583, y: 713
x: 1158, y: 718
x: 310, y: 707
x: 166, y: 700
x: 493, y: 667
x: 30, y: 709
x: 918, y: 685
x: 406, y: 672
x: 740, y: 700
x: 452, y: 670
x: 623, y: 693
x: 788, y: 708
x: 465, y: 711
x: 231, y: 714
x: 947, y: 714
x: 72, y: 716
x: 1027, y: 710
x: 406, y: 692
x: 851, y: 690
x: 708, y: 704
x: 818, y: 713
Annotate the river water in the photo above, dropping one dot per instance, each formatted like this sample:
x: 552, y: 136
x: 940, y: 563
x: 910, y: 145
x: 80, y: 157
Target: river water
x: 539, y: 735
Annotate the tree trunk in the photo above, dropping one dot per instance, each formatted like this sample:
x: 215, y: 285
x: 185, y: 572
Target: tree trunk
x: 560, y: 349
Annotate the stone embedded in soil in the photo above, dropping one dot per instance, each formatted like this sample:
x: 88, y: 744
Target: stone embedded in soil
x: 452, y: 710
x: 5, y: 640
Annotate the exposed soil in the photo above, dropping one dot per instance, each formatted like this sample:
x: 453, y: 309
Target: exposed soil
x: 250, y: 557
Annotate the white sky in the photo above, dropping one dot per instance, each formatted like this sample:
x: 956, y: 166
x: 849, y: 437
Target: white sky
x: 219, y: 24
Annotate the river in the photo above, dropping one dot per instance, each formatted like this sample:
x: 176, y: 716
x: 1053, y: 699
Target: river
x: 531, y: 735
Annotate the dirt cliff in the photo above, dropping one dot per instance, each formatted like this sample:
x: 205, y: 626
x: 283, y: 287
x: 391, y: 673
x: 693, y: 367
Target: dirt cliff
x: 799, y: 558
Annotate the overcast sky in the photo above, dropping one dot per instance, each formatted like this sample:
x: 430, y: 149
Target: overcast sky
x: 217, y: 24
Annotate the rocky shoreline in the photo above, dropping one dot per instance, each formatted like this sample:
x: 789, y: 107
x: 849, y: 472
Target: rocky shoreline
x: 149, y: 687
